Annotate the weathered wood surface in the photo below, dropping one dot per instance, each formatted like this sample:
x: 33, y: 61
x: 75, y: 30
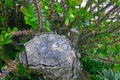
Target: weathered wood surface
x: 54, y: 56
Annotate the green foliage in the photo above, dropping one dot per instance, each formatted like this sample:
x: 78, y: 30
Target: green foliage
x: 92, y: 66
x: 5, y: 37
x: 116, y: 67
x: 99, y: 42
x: 48, y: 26
x: 67, y: 21
x: 8, y: 3
x: 58, y: 8
x: 118, y: 3
x: 2, y: 18
x: 23, y: 71
x: 70, y: 15
x: 109, y: 75
x: 74, y: 2
x: 30, y: 16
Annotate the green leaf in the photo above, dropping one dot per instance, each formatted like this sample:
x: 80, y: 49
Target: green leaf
x: 67, y: 21
x: 84, y: 59
x: 117, y: 67
x: 111, y: 49
x: 101, y: 45
x: 22, y: 69
x: 3, y: 33
x: 70, y: 15
x: 8, y: 41
x: 33, y: 19
x: 74, y: 2
x: 15, y: 29
x: 92, y: 26
x: 9, y: 30
x: 34, y: 26
x: 46, y: 8
x: 118, y: 3
x: 30, y: 16
x: 9, y: 3
x: 4, y: 67
x: 26, y: 11
x: 6, y: 35
x: 48, y: 26
x: 58, y: 8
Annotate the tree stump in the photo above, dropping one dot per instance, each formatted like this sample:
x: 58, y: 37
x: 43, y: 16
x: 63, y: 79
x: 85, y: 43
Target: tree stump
x: 53, y: 56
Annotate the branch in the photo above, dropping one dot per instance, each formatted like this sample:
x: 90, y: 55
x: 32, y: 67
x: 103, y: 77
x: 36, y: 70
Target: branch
x: 104, y: 8
x: 111, y: 43
x: 91, y: 32
x: 10, y: 68
x: 107, y: 60
x: 89, y: 2
x: 105, y: 16
x: 39, y: 14
x: 25, y: 32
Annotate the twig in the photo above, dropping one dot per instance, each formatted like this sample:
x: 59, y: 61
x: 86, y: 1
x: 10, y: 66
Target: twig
x: 89, y: 2
x: 9, y: 69
x: 110, y: 43
x: 25, y: 32
x: 39, y: 14
x: 90, y: 33
x: 107, y: 60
